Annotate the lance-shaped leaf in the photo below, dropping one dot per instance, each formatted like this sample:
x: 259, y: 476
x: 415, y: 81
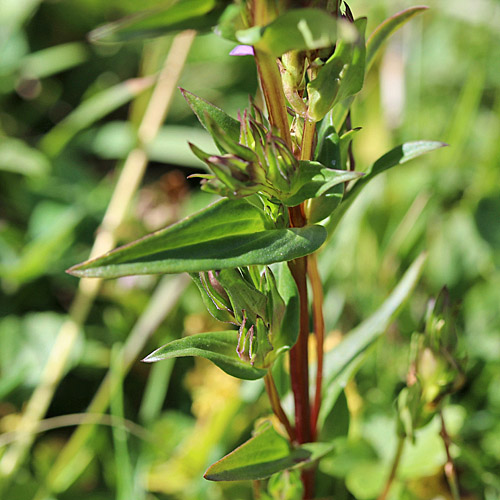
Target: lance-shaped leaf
x: 400, y: 154
x: 344, y: 360
x: 226, y: 234
x: 218, y: 347
x: 313, y: 180
x: 266, y: 453
x: 200, y: 15
x: 296, y: 29
x: 384, y: 30
x: 203, y: 109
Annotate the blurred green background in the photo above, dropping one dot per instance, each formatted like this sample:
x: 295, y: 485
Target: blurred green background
x: 74, y: 120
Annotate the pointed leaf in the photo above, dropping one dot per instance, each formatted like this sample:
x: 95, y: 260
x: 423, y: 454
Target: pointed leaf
x: 313, y: 180
x: 218, y: 347
x: 260, y: 457
x: 344, y: 360
x: 226, y: 234
x: 202, y: 109
x: 384, y: 30
x: 401, y: 154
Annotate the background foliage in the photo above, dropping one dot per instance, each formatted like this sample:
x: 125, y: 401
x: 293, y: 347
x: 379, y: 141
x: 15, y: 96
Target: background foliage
x: 66, y: 127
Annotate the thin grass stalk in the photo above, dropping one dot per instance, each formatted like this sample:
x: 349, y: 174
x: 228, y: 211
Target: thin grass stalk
x: 161, y: 303
x: 127, y: 185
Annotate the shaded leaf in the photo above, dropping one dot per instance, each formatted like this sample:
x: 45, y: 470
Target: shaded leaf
x: 285, y: 336
x: 313, y: 180
x: 344, y: 360
x: 218, y: 347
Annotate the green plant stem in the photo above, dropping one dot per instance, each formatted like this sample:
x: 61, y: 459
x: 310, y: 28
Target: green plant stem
x: 394, y: 468
x: 276, y: 405
x: 128, y: 182
x: 319, y: 330
x: 270, y: 80
x: 449, y: 467
x: 308, y: 140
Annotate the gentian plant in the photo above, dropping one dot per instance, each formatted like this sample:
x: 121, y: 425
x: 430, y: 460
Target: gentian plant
x: 286, y: 176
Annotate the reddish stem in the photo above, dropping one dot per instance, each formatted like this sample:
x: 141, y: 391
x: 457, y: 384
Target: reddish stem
x: 299, y: 358
x: 319, y: 330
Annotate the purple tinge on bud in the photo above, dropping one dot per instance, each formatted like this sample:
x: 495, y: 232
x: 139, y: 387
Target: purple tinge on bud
x: 242, y: 50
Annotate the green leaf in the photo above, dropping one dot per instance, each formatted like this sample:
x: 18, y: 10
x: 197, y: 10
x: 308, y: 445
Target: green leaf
x: 344, y: 360
x: 90, y: 111
x: 243, y: 296
x: 226, y: 234
x: 16, y: 156
x: 340, y: 77
x: 283, y: 302
x: 218, y: 347
x: 199, y: 15
x: 211, y: 299
x: 373, y: 45
x: 384, y: 30
x: 204, y: 109
x: 296, y: 29
x: 313, y: 180
x: 354, y: 75
x: 397, y: 156
x: 266, y: 453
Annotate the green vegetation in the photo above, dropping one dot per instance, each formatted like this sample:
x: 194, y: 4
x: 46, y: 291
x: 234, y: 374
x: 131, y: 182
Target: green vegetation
x: 98, y: 148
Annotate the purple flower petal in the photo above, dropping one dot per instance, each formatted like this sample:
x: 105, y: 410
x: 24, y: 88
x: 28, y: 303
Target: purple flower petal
x: 242, y: 50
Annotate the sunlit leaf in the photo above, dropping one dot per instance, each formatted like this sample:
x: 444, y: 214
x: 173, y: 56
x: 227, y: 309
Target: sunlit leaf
x: 341, y: 76
x: 384, y: 30
x: 218, y: 347
x: 298, y: 29
x: 399, y: 155
x: 16, y: 156
x: 204, y: 109
x: 226, y: 234
x: 344, y: 360
x: 260, y: 457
